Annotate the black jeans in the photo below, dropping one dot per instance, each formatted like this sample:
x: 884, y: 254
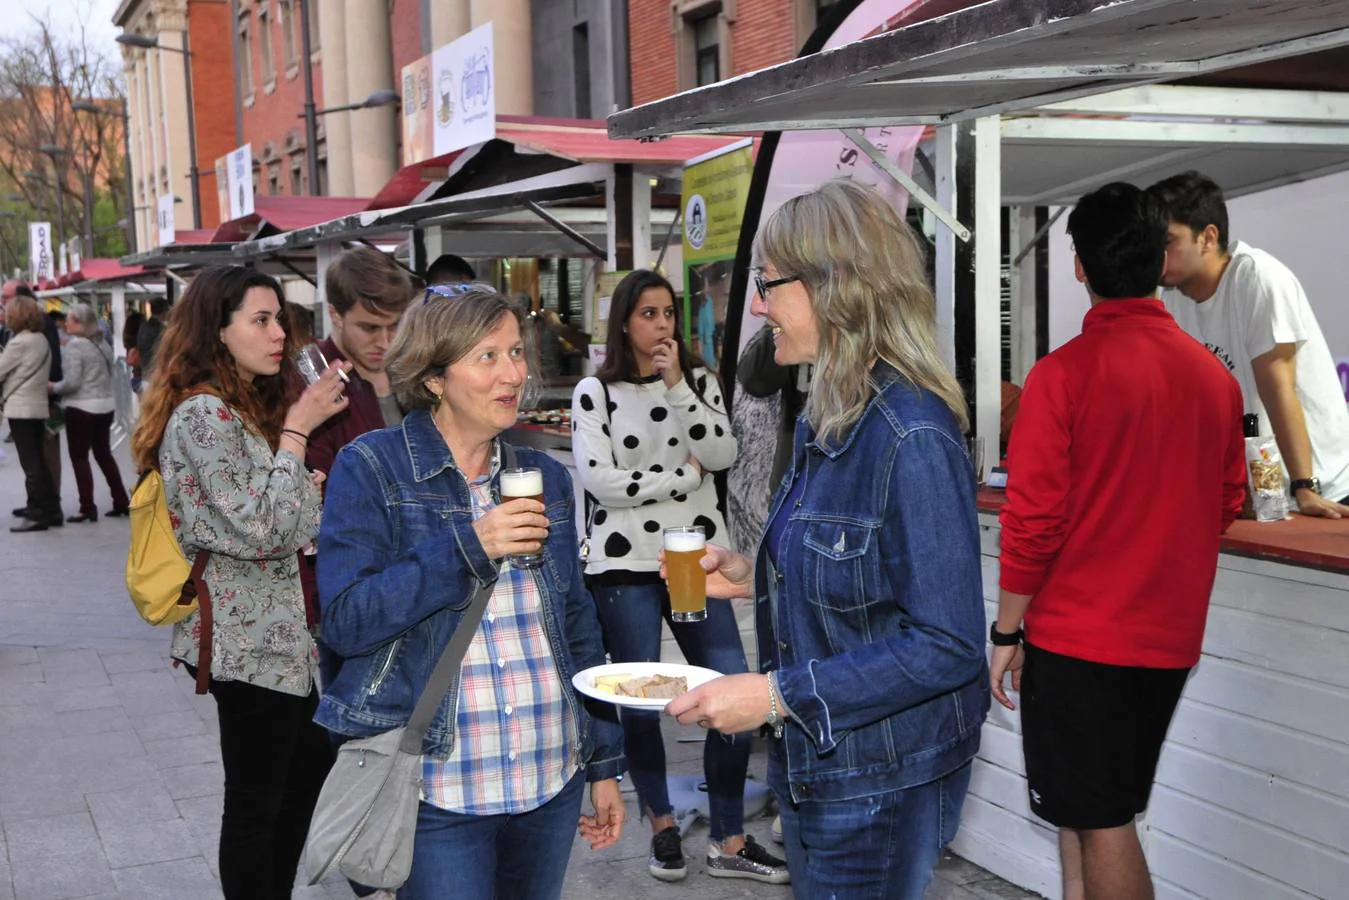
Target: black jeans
x: 29, y: 436
x: 87, y: 432
x: 276, y: 759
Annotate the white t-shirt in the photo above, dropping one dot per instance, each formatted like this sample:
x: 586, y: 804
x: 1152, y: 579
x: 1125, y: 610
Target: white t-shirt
x: 1260, y: 303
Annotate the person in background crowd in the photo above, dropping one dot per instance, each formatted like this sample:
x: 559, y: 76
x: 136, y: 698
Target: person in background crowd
x: 869, y: 604
x: 130, y: 330
x: 1250, y: 310
x: 23, y: 400
x: 223, y: 425
x: 1112, y: 583
x: 450, y: 269
x: 147, y: 338
x: 412, y: 526
x: 86, y: 393
x: 649, y: 427
x: 51, y: 437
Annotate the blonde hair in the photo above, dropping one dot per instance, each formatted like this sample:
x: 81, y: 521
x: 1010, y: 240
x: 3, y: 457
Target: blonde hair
x: 863, y: 268
x: 437, y: 334
x: 83, y: 313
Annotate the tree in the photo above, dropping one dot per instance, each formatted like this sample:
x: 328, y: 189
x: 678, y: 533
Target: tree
x: 56, y: 163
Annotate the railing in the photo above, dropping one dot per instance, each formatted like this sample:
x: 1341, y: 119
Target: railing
x: 126, y: 406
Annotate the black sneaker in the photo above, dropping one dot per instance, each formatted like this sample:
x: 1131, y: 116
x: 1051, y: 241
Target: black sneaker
x: 667, y: 856
x: 752, y: 861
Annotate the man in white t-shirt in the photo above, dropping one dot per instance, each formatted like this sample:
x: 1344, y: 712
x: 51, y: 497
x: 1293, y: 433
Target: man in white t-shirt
x: 1250, y: 310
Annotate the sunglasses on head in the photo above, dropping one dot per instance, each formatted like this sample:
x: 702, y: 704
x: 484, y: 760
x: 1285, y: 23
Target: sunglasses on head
x: 457, y: 289
x: 764, y: 286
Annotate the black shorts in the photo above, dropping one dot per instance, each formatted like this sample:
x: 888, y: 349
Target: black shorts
x: 1092, y: 735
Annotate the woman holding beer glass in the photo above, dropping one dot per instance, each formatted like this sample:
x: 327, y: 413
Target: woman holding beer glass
x: 867, y: 581
x: 648, y: 427
x: 417, y: 516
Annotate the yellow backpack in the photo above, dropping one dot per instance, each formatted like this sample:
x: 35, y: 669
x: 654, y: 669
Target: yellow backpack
x: 162, y: 584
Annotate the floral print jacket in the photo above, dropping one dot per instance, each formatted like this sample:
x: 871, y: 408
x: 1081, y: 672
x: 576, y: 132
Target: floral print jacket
x: 229, y: 494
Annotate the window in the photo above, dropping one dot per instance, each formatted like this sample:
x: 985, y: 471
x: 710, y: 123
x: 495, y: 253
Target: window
x: 265, y: 45
x: 296, y: 178
x: 706, y: 51
x: 313, y: 24
x: 245, y: 58
x: 274, y: 179
x: 285, y: 10
x: 580, y: 54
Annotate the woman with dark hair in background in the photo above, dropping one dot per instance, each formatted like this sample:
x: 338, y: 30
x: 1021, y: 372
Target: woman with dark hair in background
x: 649, y: 428
x: 228, y: 435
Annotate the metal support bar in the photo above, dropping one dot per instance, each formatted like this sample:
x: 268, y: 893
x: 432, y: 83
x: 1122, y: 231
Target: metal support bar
x: 404, y: 266
x: 566, y: 229
x: 1044, y: 230
x: 887, y: 165
x: 669, y: 233
x: 285, y: 263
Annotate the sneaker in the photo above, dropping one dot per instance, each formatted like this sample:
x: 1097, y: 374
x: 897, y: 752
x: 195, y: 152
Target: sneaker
x: 775, y: 831
x: 752, y: 861
x: 667, y: 856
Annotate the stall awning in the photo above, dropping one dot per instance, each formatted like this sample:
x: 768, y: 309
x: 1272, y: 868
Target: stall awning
x: 93, y: 270
x: 996, y: 57
x: 281, y: 213
x: 542, y: 145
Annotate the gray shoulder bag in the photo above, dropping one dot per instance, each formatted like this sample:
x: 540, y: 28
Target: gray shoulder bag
x: 366, y: 817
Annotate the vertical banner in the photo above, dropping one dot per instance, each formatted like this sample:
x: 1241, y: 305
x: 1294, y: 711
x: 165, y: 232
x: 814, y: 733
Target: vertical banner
x: 222, y: 188
x: 449, y: 98
x: 41, y: 264
x: 239, y: 178
x: 716, y: 186
x: 63, y: 265
x: 164, y: 220
x: 73, y: 253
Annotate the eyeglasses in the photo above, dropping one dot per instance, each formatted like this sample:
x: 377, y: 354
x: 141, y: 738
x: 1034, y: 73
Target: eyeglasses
x: 763, y: 287
x: 456, y: 289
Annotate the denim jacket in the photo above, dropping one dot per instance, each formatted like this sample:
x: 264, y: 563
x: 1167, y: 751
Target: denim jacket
x: 878, y: 634
x: 398, y: 562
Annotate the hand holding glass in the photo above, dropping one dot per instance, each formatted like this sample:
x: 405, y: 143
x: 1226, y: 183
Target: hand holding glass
x: 312, y: 364
x: 528, y: 483
x: 685, y: 546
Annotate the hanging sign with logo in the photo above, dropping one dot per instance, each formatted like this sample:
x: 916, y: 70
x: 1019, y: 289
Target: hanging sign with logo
x: 449, y: 98
x: 164, y: 220
x: 41, y: 262
x: 236, y: 198
x: 715, y: 188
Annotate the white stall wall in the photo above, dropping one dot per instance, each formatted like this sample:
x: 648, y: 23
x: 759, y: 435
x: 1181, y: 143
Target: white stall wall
x: 1301, y: 224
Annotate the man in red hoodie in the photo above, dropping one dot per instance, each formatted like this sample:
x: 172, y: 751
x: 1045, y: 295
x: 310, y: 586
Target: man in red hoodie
x: 1126, y: 466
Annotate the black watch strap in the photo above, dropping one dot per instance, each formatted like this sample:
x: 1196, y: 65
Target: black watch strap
x: 998, y: 639
x: 1311, y: 484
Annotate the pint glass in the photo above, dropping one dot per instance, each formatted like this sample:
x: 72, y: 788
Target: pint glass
x: 516, y: 483
x: 684, y: 549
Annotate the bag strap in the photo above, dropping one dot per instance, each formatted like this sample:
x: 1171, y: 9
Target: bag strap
x: 592, y: 503
x: 45, y: 364
x: 195, y: 587
x: 447, y: 667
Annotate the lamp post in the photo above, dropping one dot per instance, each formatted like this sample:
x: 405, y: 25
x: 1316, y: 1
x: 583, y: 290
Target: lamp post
x: 146, y: 42
x: 86, y: 182
x: 311, y: 139
x: 384, y: 97
x: 41, y: 178
x: 125, y: 116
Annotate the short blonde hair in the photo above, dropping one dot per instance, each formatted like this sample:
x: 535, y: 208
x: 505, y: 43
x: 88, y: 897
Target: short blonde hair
x: 83, y: 313
x: 438, y: 333
x: 863, y: 268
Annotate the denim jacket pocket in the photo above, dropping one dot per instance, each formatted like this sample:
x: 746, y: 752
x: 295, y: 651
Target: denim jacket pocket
x: 840, y: 563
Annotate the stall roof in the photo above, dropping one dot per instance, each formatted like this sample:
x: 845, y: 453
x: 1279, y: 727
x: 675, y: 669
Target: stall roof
x: 282, y: 213
x: 549, y: 144
x: 92, y: 270
x: 996, y: 57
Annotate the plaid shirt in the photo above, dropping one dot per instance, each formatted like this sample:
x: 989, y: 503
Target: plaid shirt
x: 514, y: 735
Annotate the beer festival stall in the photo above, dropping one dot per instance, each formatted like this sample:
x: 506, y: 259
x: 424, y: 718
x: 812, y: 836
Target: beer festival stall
x: 1029, y: 106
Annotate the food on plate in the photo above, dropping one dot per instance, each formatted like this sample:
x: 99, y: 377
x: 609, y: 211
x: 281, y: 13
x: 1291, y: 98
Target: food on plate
x: 648, y: 687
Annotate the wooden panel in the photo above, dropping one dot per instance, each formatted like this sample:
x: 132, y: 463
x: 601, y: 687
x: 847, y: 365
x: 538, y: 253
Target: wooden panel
x: 1296, y: 703
x: 1307, y: 651
x: 1165, y: 890
x: 1010, y: 846
x: 1210, y: 876
x: 1285, y: 597
x: 1002, y: 748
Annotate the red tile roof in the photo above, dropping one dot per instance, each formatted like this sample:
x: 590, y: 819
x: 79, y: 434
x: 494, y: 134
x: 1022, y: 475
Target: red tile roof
x: 287, y: 214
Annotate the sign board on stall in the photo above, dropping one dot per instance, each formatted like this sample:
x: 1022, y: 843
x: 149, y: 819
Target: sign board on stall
x: 235, y: 172
x: 164, y: 220
x: 449, y: 98
x: 73, y: 253
x: 41, y: 263
x: 716, y: 186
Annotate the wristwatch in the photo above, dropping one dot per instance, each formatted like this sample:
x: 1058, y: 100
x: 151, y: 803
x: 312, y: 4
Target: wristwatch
x: 1312, y: 484
x: 774, y: 720
x: 998, y: 639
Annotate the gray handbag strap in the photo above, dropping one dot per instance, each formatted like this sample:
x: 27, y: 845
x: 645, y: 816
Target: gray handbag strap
x: 452, y: 657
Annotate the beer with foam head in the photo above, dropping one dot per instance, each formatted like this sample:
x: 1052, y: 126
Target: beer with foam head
x: 526, y: 483
x: 685, y: 547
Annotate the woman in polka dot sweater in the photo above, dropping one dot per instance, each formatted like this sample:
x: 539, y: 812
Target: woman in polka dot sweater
x: 649, y: 428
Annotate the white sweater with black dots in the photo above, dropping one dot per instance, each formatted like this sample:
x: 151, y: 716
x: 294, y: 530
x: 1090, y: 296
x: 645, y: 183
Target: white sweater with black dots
x: 632, y: 457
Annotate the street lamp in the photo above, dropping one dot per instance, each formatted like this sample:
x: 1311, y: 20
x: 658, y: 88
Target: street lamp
x: 86, y: 182
x: 125, y: 115
x: 383, y: 97
x: 145, y: 42
x: 41, y: 178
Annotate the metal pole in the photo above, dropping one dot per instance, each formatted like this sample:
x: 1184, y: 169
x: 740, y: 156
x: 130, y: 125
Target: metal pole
x: 193, y: 175
x: 130, y: 189
x: 311, y: 149
x: 60, y: 202
x: 88, y: 178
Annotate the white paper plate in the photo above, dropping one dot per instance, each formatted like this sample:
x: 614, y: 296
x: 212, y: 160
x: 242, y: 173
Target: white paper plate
x: 584, y: 681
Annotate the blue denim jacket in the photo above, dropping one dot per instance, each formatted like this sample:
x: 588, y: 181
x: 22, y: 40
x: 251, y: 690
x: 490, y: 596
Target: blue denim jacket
x: 398, y: 561
x: 880, y: 623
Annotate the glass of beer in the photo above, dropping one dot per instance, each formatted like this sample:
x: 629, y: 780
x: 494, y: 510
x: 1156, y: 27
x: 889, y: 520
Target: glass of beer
x: 685, y: 546
x: 516, y: 483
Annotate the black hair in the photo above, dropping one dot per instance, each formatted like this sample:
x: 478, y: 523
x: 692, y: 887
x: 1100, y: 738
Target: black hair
x: 1119, y: 234
x: 1195, y: 201
x: 449, y: 268
x: 23, y: 290
x: 620, y: 364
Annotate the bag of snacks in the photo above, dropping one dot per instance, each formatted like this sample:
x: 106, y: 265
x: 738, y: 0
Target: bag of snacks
x: 1268, y: 488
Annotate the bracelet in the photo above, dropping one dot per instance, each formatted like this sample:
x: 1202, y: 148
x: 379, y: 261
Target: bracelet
x: 299, y: 434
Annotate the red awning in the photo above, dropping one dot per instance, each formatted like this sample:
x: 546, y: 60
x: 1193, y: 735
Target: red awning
x: 283, y: 213
x: 101, y: 270
x: 200, y: 236
x: 577, y: 140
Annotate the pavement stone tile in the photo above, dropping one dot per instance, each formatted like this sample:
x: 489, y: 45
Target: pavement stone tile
x: 114, y: 774
x: 164, y: 725
x: 169, y: 753
x: 11, y: 656
x: 959, y: 871
x: 135, y: 661
x: 996, y: 889
x: 197, y: 780
x: 183, y: 879
x: 39, y: 797
x: 149, y: 803
x: 138, y: 843
x: 93, y: 721
x: 70, y: 698
x: 6, y: 883
x: 61, y: 835
x: 63, y: 877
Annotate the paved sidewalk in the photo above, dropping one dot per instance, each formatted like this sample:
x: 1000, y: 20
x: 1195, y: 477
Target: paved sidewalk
x: 110, y: 777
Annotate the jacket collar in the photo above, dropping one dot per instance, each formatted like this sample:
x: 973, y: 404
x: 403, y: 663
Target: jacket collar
x: 1139, y: 310
x: 429, y: 453
x: 883, y: 375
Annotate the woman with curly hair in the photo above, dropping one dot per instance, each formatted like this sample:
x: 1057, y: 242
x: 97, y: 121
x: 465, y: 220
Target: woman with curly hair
x: 228, y: 433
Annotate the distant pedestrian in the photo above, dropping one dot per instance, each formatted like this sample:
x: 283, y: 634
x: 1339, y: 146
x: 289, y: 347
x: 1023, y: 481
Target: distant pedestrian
x: 450, y: 269
x: 147, y: 339
x: 51, y: 437
x: 87, y: 395
x: 222, y: 423
x: 23, y: 396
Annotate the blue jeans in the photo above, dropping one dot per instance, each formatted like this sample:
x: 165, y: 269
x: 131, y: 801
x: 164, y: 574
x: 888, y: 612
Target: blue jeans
x: 523, y: 857
x: 881, y: 847
x: 630, y: 616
